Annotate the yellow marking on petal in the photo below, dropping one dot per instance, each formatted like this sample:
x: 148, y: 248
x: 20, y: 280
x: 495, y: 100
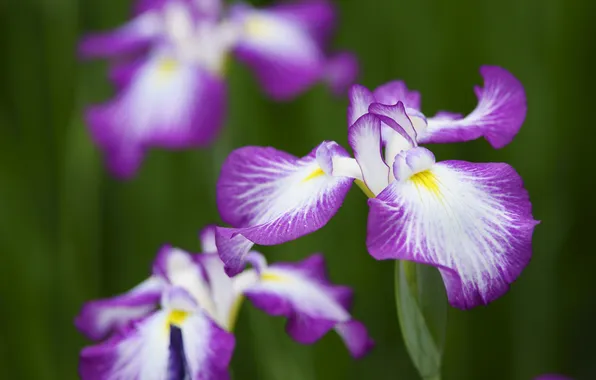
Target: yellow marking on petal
x: 316, y: 173
x: 364, y: 188
x: 426, y: 180
x: 268, y: 276
x: 177, y: 317
x: 257, y: 26
x: 234, y: 311
x: 167, y: 66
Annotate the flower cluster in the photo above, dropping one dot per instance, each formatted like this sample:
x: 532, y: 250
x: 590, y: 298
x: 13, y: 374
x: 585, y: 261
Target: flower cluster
x: 178, y: 323
x: 472, y: 221
x: 168, y: 65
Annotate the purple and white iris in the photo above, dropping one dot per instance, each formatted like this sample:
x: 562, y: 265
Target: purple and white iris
x: 177, y: 324
x: 168, y: 64
x: 472, y: 221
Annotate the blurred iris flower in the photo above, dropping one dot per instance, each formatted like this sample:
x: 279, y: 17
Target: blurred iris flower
x: 178, y: 323
x: 472, y: 221
x: 168, y: 64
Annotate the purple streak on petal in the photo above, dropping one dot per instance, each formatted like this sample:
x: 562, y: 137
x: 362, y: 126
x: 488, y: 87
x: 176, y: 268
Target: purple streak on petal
x: 341, y: 72
x: 232, y: 250
x: 273, y: 197
x: 360, y: 99
x: 101, y: 317
x: 146, y: 114
x: 473, y: 222
x: 396, y: 91
x: 355, y: 337
x: 315, y: 16
x: 499, y: 115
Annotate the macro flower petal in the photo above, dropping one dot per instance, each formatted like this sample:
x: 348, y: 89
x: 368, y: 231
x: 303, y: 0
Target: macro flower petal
x: 360, y: 99
x: 301, y: 292
x: 472, y: 221
x: 99, y: 318
x: 207, y: 239
x: 284, y: 56
x: 499, y: 115
x: 364, y: 137
x: 396, y: 91
x: 181, y: 270
x: 141, y: 351
x: 317, y: 17
x: 133, y: 37
x: 168, y: 104
x: 271, y: 197
x: 220, y: 286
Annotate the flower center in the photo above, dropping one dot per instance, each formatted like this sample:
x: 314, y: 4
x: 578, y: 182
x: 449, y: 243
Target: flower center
x: 167, y: 66
x: 314, y: 174
x: 268, y: 276
x: 426, y: 180
x: 177, y: 317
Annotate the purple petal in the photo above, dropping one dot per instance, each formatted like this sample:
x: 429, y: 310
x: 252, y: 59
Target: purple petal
x: 364, y: 137
x: 273, y: 197
x: 207, y: 347
x: 499, y: 115
x: 397, y: 119
x: 99, y: 318
x: 341, y: 72
x: 396, y: 91
x: 285, y: 57
x: 207, y: 238
x: 472, y: 221
x: 317, y: 17
x: 130, y: 38
x: 141, y: 351
x: 313, y: 306
x: 168, y: 104
x: 360, y: 99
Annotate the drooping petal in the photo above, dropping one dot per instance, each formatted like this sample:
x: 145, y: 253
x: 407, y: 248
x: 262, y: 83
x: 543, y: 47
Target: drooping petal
x: 313, y: 306
x: 99, y: 318
x: 317, y: 17
x: 273, y: 197
x: 285, y: 57
x: 472, y: 221
x: 130, y: 38
x: 207, y: 347
x: 341, y: 71
x: 499, y: 115
x: 396, y: 91
x: 364, y: 137
x: 181, y: 270
x: 141, y: 351
x: 360, y: 99
x: 168, y: 104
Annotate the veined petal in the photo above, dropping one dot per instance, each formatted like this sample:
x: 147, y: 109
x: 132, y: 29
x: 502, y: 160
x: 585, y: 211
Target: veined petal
x: 364, y: 137
x: 360, y: 99
x: 397, y: 91
x: 273, y: 197
x: 179, y: 268
x: 132, y: 37
x: 99, y: 318
x: 141, y: 351
x: 168, y: 104
x: 302, y: 293
x: 207, y: 348
x: 285, y: 57
x: 341, y: 71
x: 472, y: 221
x: 499, y: 115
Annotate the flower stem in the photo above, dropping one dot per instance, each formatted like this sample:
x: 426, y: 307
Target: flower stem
x: 364, y: 188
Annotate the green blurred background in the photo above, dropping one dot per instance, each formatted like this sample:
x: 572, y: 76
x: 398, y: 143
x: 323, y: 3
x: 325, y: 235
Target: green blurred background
x: 69, y: 232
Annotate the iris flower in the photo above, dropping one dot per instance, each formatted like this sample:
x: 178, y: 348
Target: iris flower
x: 472, y: 221
x: 168, y: 64
x: 177, y: 324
